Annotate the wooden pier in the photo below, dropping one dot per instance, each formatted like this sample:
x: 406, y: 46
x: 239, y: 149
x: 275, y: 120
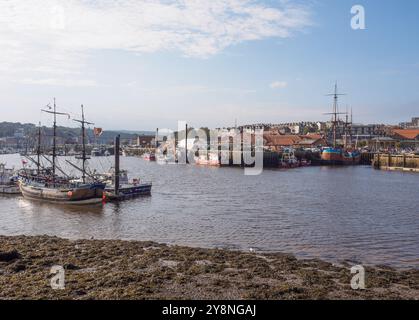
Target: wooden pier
x: 404, y: 162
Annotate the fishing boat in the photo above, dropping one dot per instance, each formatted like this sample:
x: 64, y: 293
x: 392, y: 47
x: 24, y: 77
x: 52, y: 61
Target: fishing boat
x: 118, y: 186
x: 8, y: 181
x: 46, y: 185
x: 336, y: 155
x: 288, y: 159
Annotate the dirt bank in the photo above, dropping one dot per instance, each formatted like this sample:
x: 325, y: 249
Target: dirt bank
x: 112, y: 269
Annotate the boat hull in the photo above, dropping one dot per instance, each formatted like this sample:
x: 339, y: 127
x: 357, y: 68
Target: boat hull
x: 129, y: 191
x: 335, y: 156
x: 62, y: 195
x: 9, y: 189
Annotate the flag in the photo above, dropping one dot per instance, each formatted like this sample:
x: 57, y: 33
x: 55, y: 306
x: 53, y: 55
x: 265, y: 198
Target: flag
x: 97, y: 132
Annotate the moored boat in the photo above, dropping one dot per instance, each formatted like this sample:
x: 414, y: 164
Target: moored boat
x: 340, y: 156
x: 336, y: 155
x: 211, y: 160
x: 8, y: 181
x: 149, y: 157
x: 288, y: 159
x: 118, y: 186
x: 44, y: 184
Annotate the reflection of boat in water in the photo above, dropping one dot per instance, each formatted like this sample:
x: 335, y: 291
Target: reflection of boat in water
x: 8, y: 181
x: 118, y: 186
x: 44, y: 184
x: 208, y: 160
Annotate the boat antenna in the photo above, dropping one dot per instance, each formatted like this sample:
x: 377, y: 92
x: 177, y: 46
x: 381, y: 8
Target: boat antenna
x: 84, y: 156
x: 335, y: 113
x: 54, y: 141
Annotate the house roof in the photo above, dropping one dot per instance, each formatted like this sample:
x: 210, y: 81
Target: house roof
x: 409, y: 134
x: 313, y: 136
x: 281, y: 140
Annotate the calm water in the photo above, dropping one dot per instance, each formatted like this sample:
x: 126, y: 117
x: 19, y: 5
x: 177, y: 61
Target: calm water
x: 355, y: 213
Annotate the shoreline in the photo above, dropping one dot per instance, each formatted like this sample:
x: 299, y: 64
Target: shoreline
x: 117, y: 269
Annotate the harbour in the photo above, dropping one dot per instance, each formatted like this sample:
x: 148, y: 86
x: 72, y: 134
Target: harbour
x: 333, y: 213
x: 209, y: 150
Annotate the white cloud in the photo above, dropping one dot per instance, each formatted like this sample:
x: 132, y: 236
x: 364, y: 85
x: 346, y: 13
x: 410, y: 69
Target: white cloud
x: 51, y: 36
x: 278, y: 85
x: 59, y: 82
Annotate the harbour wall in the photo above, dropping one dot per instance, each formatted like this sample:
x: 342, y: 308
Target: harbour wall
x: 396, y: 162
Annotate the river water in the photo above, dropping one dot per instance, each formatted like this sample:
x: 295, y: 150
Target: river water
x: 347, y: 213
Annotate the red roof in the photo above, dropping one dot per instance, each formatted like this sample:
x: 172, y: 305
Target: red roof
x: 314, y: 136
x: 409, y: 134
x: 281, y: 140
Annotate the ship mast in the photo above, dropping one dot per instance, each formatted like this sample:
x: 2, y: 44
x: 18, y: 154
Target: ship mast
x: 84, y: 156
x: 335, y: 113
x: 38, y: 149
x: 54, y: 141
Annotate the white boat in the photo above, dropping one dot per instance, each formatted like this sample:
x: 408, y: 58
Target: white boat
x: 210, y: 160
x: 8, y: 182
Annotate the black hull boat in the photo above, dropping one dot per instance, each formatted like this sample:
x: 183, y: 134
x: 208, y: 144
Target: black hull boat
x: 118, y: 186
x: 127, y: 191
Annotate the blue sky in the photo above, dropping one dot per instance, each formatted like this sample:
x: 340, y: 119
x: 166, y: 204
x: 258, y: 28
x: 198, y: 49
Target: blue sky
x: 139, y: 65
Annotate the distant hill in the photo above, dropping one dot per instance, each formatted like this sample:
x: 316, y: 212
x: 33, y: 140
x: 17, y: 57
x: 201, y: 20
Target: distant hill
x: 9, y: 129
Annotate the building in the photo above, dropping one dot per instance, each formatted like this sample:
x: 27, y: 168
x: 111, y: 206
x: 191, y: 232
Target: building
x: 414, y: 124
x: 146, y: 141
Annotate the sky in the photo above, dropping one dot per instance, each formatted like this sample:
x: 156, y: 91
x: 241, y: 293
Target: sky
x: 143, y: 64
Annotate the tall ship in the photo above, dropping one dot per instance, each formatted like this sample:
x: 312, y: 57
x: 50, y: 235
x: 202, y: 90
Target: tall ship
x: 43, y: 183
x: 337, y: 155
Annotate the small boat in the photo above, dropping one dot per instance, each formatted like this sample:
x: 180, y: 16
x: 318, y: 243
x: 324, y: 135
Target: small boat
x: 149, y: 157
x: 289, y: 160
x: 96, y: 152
x: 8, y: 181
x: 118, y: 186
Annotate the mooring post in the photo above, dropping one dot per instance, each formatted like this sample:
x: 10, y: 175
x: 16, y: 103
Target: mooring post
x: 186, y: 144
x: 117, y: 146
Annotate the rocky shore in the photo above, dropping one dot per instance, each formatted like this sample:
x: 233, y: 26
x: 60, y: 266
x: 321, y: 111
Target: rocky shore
x: 112, y: 269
